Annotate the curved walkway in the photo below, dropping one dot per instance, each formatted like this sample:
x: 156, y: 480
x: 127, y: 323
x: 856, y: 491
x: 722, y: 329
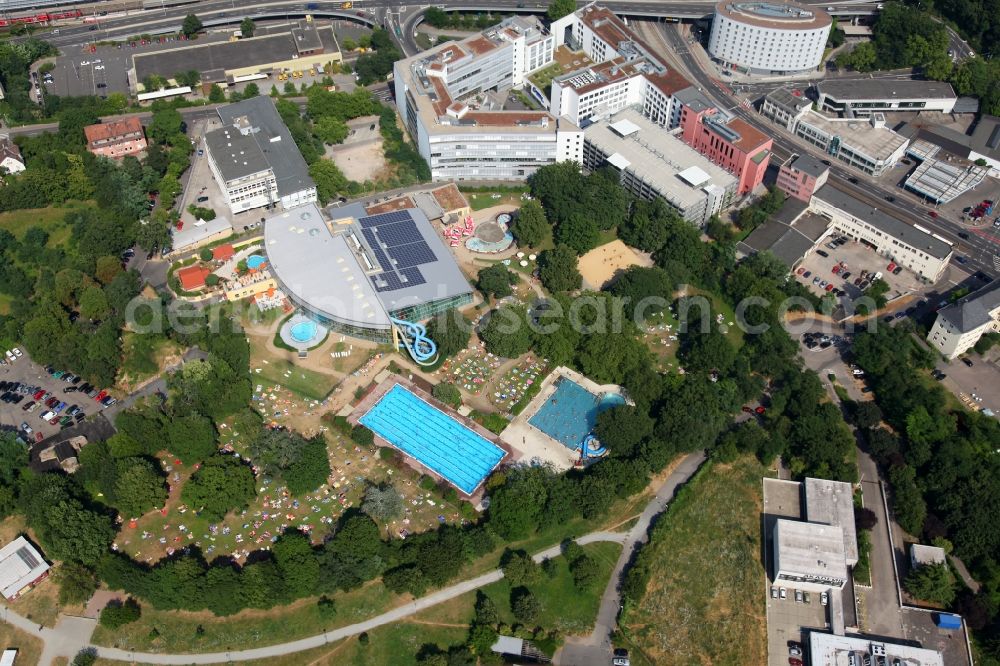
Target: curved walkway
x: 72, y: 634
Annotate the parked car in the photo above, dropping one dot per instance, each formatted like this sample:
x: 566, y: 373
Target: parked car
x: 28, y: 405
x: 824, y: 598
x: 774, y: 592
x: 822, y: 253
x: 783, y: 593
x: 798, y: 596
x: 100, y: 396
x: 968, y: 362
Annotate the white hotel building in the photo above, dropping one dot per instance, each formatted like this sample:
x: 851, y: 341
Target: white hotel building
x: 769, y: 38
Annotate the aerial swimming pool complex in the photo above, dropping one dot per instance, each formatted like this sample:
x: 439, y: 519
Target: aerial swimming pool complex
x: 570, y: 413
x: 460, y: 455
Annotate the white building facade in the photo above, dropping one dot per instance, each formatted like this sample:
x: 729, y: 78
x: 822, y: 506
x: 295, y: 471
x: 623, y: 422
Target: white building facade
x: 959, y: 326
x: 769, y: 38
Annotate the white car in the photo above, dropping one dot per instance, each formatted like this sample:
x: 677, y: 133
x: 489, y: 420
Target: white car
x: 824, y: 598
x: 17, y: 352
x: 98, y: 61
x: 45, y: 416
x: 84, y: 63
x: 10, y: 356
x: 99, y: 67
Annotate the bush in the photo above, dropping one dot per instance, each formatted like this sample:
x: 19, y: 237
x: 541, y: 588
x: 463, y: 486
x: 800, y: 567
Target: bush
x: 426, y: 482
x: 492, y: 422
x: 326, y: 607
x: 448, y: 394
x: 362, y: 436
x: 117, y: 614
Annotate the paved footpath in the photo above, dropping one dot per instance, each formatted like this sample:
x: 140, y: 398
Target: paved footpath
x: 72, y: 634
x: 596, y: 648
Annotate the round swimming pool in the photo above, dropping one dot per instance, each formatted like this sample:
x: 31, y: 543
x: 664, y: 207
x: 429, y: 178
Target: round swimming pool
x: 303, y: 331
x: 255, y: 261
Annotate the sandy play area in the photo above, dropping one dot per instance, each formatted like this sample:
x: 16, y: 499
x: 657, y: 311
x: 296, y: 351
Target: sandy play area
x: 603, y: 262
x: 359, y: 162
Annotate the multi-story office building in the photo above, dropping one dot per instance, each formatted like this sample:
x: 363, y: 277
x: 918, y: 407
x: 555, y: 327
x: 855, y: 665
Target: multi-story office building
x: 255, y: 160
x: 801, y: 175
x: 448, y: 103
x: 784, y: 108
x: 772, y: 38
x: 866, y: 96
x: 653, y: 163
x: 734, y: 144
x: 959, y: 325
x: 116, y: 138
x: 628, y: 72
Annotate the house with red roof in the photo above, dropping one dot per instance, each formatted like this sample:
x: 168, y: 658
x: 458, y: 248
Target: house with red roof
x: 193, y: 277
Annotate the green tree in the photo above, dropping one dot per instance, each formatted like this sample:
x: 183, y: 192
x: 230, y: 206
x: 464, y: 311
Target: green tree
x: 525, y: 606
x: 216, y: 95
x: 165, y: 124
x: 586, y: 572
x: 496, y: 281
x: 451, y: 331
x: 506, y: 333
x: 559, y: 8
x: 519, y: 569
x: 251, y: 90
x: 223, y: 483
x: 557, y: 269
x: 579, y: 231
x: 530, y: 227
x: 331, y: 130
x: 191, y: 26
x: 139, y: 487
x: 311, y: 468
x: 447, y: 393
x: 485, y: 610
x: 247, y: 27
x: 94, y: 304
x: 297, y: 563
x: 191, y: 438
x: 382, y: 502
x: 77, y: 583
x: 330, y: 181
x: 119, y: 613
x: 931, y: 582
x: 867, y: 415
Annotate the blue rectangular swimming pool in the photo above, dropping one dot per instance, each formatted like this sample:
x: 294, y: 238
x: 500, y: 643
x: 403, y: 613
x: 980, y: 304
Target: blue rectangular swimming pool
x: 570, y: 413
x: 434, y: 439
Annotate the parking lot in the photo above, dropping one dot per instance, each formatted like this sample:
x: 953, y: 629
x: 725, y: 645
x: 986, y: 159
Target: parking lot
x: 29, y: 374
x: 852, y: 258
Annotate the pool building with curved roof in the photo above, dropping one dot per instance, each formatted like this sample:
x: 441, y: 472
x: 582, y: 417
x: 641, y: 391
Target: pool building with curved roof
x: 354, y: 272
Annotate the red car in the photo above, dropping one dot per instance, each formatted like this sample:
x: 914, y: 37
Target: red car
x: 829, y: 287
x: 891, y: 267
x: 748, y: 410
x: 794, y: 662
x: 38, y: 437
x: 800, y: 271
x: 836, y: 269
x: 38, y: 394
x: 54, y: 420
x: 932, y: 213
x: 760, y: 409
x: 51, y: 402
x: 101, y: 396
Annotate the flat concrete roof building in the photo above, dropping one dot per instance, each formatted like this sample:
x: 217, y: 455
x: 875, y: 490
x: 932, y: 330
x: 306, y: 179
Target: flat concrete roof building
x: 921, y: 555
x: 832, y: 650
x: 861, y: 97
x: 866, y: 145
x: 784, y: 108
x: 297, y: 47
x: 654, y: 163
x: 771, y: 38
x: 832, y: 503
x: 357, y: 272
x: 21, y: 566
x: 790, y: 235
x: 809, y: 556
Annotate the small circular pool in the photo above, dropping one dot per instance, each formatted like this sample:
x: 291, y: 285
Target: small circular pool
x: 255, y: 261
x: 303, y: 331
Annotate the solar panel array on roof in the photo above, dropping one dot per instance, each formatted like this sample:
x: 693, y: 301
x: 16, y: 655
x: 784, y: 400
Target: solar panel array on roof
x: 399, y: 249
x: 28, y: 558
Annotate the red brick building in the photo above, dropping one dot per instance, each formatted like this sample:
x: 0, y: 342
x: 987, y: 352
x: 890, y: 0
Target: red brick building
x: 193, y: 277
x: 116, y: 138
x: 801, y: 175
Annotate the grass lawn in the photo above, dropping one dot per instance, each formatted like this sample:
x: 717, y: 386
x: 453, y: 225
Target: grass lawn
x: 481, y: 200
x: 274, y: 370
x: 29, y: 648
x: 564, y: 607
x: 49, y: 218
x: 704, y: 603
x: 719, y: 306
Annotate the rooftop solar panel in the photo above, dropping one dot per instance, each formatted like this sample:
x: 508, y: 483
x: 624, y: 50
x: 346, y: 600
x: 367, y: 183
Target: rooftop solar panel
x: 412, y: 254
x: 391, y: 217
x: 387, y: 281
x: 398, y: 234
x: 380, y: 256
x: 28, y: 558
x: 413, y: 276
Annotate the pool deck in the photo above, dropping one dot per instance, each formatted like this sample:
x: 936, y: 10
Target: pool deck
x: 533, y: 444
x: 383, y: 387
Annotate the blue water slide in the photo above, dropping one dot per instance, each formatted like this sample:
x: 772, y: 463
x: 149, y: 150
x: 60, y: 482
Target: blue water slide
x: 422, y: 349
x: 595, y: 453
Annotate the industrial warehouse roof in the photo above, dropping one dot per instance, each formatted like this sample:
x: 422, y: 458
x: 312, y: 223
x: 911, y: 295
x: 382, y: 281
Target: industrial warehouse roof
x: 832, y: 650
x: 885, y: 89
x: 832, y: 503
x: 810, y: 549
x: 268, y: 143
x: 261, y: 51
x: 908, y: 234
x: 358, y: 268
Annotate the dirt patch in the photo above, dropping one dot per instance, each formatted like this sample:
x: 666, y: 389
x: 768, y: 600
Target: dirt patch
x: 359, y: 162
x: 97, y: 602
x: 602, y: 263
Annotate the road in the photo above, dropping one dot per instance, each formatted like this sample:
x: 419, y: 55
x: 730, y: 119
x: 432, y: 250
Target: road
x: 72, y: 634
x: 981, y: 252
x: 596, y: 648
